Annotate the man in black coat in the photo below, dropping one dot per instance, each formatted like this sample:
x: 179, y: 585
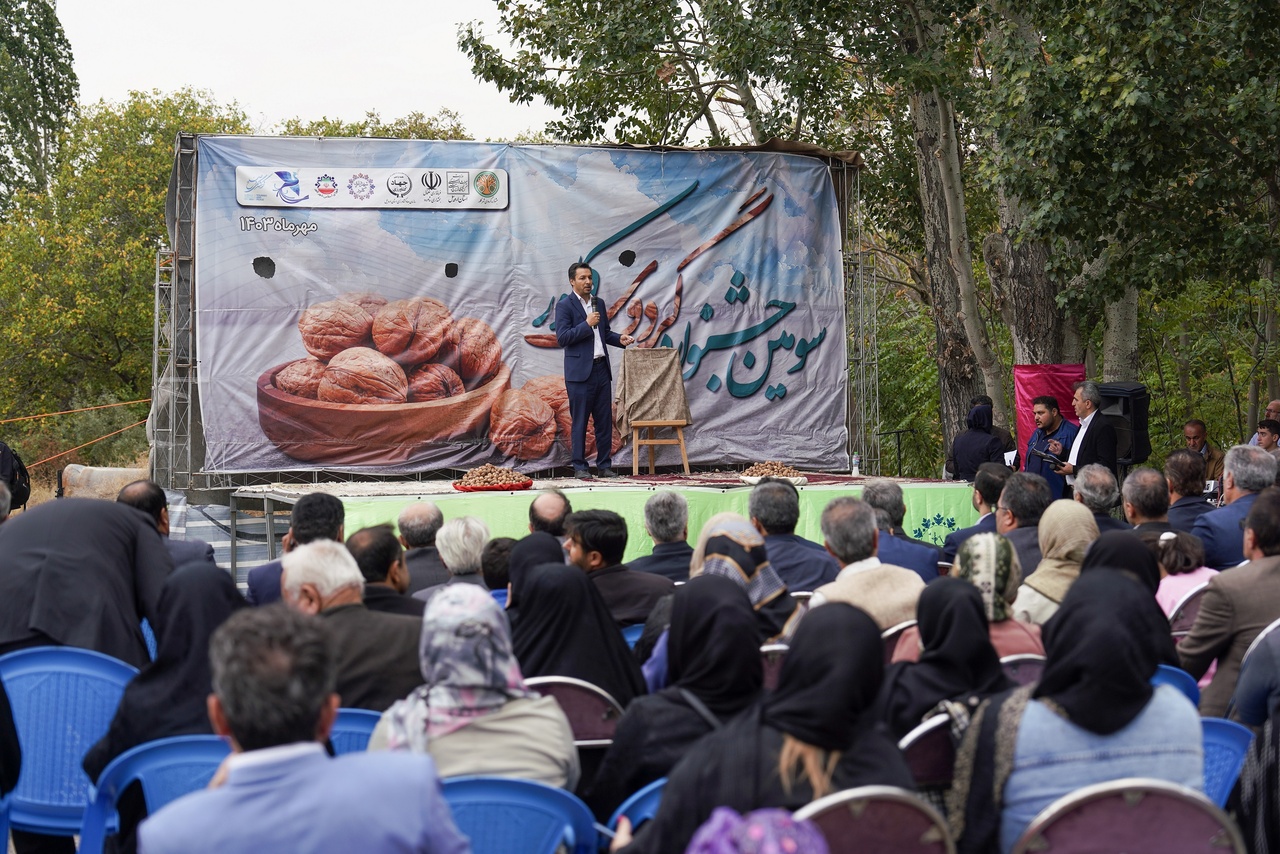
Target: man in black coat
x: 666, y: 518
x: 1096, y: 441
x: 597, y: 540
x: 81, y: 572
x: 381, y: 561
x: 1184, y: 472
x: 377, y: 654
x: 419, y: 523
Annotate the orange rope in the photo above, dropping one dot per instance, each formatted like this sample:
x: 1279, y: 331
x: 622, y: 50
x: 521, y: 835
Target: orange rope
x: 87, y: 444
x: 69, y: 411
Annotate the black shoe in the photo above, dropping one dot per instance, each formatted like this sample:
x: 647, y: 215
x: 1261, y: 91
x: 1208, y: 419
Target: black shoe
x: 583, y: 474
x: 606, y: 472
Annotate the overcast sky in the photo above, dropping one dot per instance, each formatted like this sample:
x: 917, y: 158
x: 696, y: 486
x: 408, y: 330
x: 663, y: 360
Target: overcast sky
x: 280, y: 60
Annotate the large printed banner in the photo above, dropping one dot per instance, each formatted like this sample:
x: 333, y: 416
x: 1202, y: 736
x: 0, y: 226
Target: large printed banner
x: 388, y: 306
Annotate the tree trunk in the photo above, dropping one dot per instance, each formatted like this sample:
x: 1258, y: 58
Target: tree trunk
x: 1120, y: 339
x: 958, y: 374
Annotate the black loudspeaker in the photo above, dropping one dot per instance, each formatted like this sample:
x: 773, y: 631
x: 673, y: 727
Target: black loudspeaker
x: 1125, y: 406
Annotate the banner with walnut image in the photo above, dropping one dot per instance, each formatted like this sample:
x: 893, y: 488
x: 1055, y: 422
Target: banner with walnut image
x: 349, y: 315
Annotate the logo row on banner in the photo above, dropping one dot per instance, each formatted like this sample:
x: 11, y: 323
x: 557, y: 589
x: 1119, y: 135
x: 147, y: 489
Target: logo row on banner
x: 424, y: 189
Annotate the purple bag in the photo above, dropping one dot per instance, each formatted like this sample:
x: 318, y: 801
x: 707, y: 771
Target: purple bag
x: 766, y: 831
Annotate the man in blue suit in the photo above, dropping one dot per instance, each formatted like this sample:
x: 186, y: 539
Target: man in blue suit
x: 885, y: 497
x: 273, y: 680
x: 1247, y: 471
x: 582, y: 331
x: 987, y: 486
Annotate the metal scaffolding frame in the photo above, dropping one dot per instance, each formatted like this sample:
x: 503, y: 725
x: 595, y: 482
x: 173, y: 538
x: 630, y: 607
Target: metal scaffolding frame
x: 176, y: 435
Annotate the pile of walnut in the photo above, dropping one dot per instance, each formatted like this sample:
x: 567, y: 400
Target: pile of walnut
x: 771, y: 469
x: 491, y: 475
x: 365, y: 349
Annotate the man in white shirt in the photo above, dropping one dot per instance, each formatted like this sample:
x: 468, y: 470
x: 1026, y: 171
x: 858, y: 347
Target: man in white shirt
x: 1096, y: 441
x: 582, y: 331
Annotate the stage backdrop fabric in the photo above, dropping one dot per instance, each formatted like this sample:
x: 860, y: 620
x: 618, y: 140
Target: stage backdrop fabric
x: 409, y: 289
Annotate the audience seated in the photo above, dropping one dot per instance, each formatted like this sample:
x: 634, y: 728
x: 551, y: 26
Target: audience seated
x: 149, y: 497
x: 380, y: 557
x: 495, y: 566
x: 1196, y: 434
x: 460, y: 543
x: 1247, y: 471
x: 170, y: 696
x: 1257, y: 695
x: 597, y: 541
x: 666, y: 520
x: 894, y: 546
x: 888, y: 593
x: 989, y: 563
x: 812, y: 736
x: 1184, y: 472
x: 987, y: 486
x: 534, y: 550
x: 273, y: 697
x: 1124, y: 552
x: 1093, y: 717
x: 1066, y: 529
x: 316, y: 516
x: 729, y: 546
x: 1096, y: 488
x: 473, y: 715
x: 1238, y: 604
x: 547, y: 513
x: 713, y: 673
x: 565, y: 629
x: 419, y: 523
x: 958, y: 662
x: 375, y: 653
x: 1145, y: 497
x: 1259, y: 806
x: 1023, y: 500
x: 1182, y: 569
x: 774, y: 507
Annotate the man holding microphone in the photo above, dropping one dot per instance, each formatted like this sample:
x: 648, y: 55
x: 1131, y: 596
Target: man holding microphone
x: 582, y: 331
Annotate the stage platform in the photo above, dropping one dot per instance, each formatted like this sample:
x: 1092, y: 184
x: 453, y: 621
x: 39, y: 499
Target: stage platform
x: 934, y: 508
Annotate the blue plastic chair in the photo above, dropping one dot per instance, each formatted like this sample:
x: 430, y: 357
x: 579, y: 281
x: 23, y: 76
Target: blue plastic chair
x: 504, y: 815
x: 351, y: 731
x: 1226, y: 744
x: 641, y: 806
x: 499, y: 596
x: 167, y: 769
x: 63, y: 700
x: 631, y: 634
x: 1180, y: 679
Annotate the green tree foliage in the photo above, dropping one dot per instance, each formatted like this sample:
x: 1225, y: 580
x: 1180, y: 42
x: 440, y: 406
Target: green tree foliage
x: 77, y: 265
x: 445, y: 124
x: 37, y: 94
x: 1146, y: 132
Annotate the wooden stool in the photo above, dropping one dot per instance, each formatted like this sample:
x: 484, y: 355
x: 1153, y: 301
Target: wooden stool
x: 677, y: 424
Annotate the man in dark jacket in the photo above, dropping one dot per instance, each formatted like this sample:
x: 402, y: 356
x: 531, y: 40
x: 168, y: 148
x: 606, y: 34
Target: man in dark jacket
x: 381, y: 561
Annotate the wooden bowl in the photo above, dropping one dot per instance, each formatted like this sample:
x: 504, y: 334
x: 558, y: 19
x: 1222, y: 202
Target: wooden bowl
x: 373, y: 433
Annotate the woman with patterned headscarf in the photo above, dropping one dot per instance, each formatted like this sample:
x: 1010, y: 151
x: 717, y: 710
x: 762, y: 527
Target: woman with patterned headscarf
x: 473, y: 714
x: 730, y: 546
x: 990, y: 563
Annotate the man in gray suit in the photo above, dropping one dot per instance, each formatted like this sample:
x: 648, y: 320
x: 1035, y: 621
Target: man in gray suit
x: 273, y: 698
x: 1238, y: 604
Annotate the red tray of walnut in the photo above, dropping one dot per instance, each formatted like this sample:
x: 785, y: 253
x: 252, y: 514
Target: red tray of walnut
x: 493, y: 487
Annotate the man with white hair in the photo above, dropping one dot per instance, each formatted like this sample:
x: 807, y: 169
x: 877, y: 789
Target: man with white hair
x: 460, y: 543
x: 1247, y: 471
x: 1096, y: 489
x: 377, y: 653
